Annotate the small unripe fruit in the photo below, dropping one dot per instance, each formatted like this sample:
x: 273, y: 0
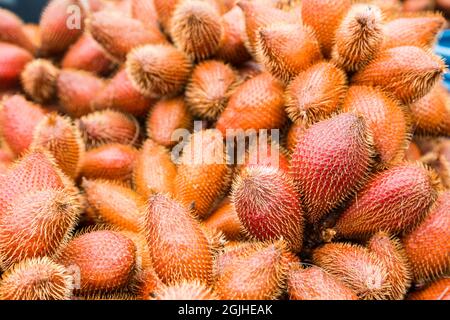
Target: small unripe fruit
x: 437, y: 290
x: 14, y: 60
x: 39, y: 80
x: 12, y: 30
x: 193, y: 290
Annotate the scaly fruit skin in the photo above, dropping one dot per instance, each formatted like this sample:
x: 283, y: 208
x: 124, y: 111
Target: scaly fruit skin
x: 325, y: 17
x: 359, y: 37
x: 108, y: 126
x: 268, y: 205
x: 63, y: 140
x: 111, y: 161
x: 12, y: 30
x: 36, y: 279
x: 287, y: 49
x: 427, y: 247
x: 407, y: 72
x: 316, y: 284
x: 394, y: 201
x: 179, y: 248
x: 165, y: 117
x: 103, y: 260
x: 257, y: 272
x: 391, y: 252
x: 86, y: 54
x: 193, y: 290
x: 18, y: 119
x: 203, y: 172
x: 256, y: 104
x: 39, y: 80
x: 158, y: 69
x: 114, y: 203
x: 59, y: 26
x: 386, y: 119
x: 154, y: 171
x: 431, y: 114
x: 358, y: 268
x: 225, y: 219
x: 418, y: 31
x: 438, y: 290
x: 316, y: 93
x: 331, y: 160
x: 14, y: 60
x: 77, y: 90
x: 209, y: 89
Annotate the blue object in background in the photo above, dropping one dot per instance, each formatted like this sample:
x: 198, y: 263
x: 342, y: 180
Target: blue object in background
x: 28, y: 10
x: 443, y: 49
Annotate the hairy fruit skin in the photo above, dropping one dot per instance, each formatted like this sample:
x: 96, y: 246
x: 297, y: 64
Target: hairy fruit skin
x: 193, y: 290
x: 39, y: 80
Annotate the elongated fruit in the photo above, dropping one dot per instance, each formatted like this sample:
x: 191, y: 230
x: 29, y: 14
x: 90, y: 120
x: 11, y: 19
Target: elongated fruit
x: 226, y: 220
x: 39, y: 80
x: 12, y: 30
x: 14, y: 60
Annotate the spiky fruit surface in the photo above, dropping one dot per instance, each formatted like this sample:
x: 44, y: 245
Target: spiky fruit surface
x: 119, y: 34
x: 287, y: 49
x: 178, y: 246
x: 36, y: 279
x: 225, y: 219
x: 193, y: 290
x: 258, y: 272
x: 316, y: 93
x: 159, y: 69
x: 268, y: 205
x: 394, y: 201
x: 165, y: 117
x: 59, y: 26
x: 103, y: 260
x: 359, y: 37
x: 18, y: 119
x: 39, y: 80
x: 316, y: 284
x: 196, y: 29
x: 209, y: 89
x: 77, y: 90
x: 294, y: 133
x: 14, y: 60
x: 120, y: 94
x: 386, y: 119
x: 165, y: 9
x: 431, y: 114
x: 438, y: 290
x: 154, y: 171
x: 413, y: 31
x: 325, y: 18
x: 358, y: 268
x: 256, y: 104
x: 407, y: 72
x: 331, y: 160
x: 109, y: 126
x: 86, y: 54
x: 12, y: 30
x: 392, y: 254
x: 54, y: 211
x: 203, y: 172
x: 427, y: 246
x: 114, y: 203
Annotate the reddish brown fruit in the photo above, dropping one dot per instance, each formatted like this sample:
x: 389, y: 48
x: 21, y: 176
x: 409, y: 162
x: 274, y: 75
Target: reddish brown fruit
x: 331, y: 161
x: 39, y: 80
x: 14, y: 60
x: 193, y: 290
x: 316, y: 284
x: 203, y: 172
x: 103, y: 260
x: 103, y: 127
x: 36, y: 279
x: 438, y: 290
x: 77, y: 90
x: 386, y: 119
x: 325, y: 17
x: 165, y: 9
x: 209, y: 89
x: 256, y: 104
x: 165, y: 117
x: 359, y: 37
x: 316, y: 93
x: 6, y: 159
x: 408, y: 72
x: 154, y: 171
x: 179, y: 248
x: 225, y: 219
x: 413, y: 152
x: 18, y: 118
x: 158, y: 69
x: 268, y: 205
x: 358, y: 268
x: 12, y: 30
x: 427, y: 246
x: 111, y: 161
x: 285, y: 50
x: 394, y: 201
x: 86, y: 54
x: 145, y: 11
x: 295, y: 132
